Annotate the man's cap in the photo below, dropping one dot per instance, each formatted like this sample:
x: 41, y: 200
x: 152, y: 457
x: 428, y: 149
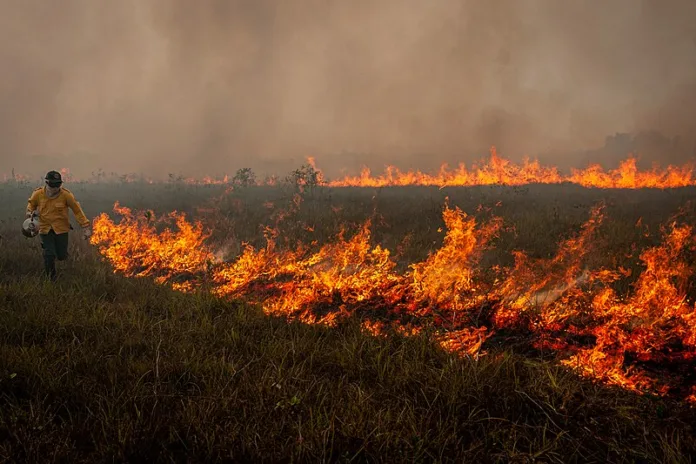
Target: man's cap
x: 54, y: 177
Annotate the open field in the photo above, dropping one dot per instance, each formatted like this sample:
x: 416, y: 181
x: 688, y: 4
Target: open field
x: 103, y: 367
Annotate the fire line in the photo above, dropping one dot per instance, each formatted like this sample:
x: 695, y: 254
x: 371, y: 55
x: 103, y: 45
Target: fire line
x: 637, y: 342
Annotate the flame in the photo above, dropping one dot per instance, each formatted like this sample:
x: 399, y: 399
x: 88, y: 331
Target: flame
x: 446, y: 278
x: 692, y: 398
x: 656, y: 324
x: 374, y: 328
x: 500, y: 171
x: 628, y: 176
x: 467, y: 340
x: 66, y: 175
x: 639, y: 341
x: 538, y: 285
x: 135, y: 248
x: 347, y: 272
x: 494, y: 171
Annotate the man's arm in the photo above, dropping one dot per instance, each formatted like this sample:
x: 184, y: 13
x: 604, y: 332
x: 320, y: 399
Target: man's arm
x: 77, y: 210
x: 33, y: 203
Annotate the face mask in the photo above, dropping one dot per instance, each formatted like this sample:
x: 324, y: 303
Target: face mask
x: 52, y: 191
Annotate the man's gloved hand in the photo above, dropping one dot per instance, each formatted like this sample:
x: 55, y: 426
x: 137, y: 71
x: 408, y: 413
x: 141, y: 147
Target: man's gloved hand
x: 32, y: 215
x: 87, y: 232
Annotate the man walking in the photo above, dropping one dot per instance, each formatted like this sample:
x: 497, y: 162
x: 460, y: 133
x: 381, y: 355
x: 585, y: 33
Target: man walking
x: 51, y: 203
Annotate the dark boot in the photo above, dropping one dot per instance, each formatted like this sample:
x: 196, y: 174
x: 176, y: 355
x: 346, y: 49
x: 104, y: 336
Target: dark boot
x: 50, y: 265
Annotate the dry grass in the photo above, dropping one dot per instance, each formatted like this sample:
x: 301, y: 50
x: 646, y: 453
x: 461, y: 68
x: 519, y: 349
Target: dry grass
x: 104, y: 368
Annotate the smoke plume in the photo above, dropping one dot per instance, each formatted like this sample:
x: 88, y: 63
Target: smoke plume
x: 211, y: 86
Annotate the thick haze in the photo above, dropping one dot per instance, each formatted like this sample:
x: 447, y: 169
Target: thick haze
x: 211, y: 86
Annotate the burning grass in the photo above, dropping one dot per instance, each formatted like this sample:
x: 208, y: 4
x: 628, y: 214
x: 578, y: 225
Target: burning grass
x: 500, y: 171
x: 553, y: 302
x: 496, y: 170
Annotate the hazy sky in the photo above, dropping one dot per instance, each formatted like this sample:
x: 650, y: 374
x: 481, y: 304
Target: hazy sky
x: 208, y: 86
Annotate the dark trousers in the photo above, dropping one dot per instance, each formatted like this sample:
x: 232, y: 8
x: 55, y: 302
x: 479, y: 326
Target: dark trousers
x: 55, y: 246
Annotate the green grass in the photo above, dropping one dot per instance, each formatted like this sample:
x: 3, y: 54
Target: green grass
x: 101, y: 368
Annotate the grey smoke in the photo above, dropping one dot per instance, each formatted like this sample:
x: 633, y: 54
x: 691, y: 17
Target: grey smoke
x: 210, y: 86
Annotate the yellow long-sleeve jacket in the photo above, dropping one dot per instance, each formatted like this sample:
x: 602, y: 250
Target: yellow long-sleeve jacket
x: 53, y: 212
